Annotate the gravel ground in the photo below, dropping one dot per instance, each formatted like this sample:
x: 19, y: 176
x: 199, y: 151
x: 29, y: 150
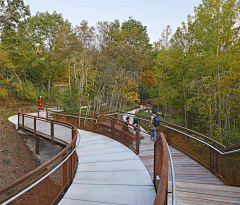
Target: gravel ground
x: 46, y: 149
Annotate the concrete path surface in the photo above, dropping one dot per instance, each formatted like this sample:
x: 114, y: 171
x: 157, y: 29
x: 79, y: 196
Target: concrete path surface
x: 108, y: 173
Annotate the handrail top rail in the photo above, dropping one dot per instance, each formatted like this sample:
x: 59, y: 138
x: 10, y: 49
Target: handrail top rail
x: 74, y: 114
x: 48, y: 120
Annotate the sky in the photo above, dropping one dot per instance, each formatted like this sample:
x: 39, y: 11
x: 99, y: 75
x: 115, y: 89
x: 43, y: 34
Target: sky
x: 155, y: 14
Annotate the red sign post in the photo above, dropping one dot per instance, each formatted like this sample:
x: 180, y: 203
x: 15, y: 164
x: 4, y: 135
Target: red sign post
x: 40, y: 102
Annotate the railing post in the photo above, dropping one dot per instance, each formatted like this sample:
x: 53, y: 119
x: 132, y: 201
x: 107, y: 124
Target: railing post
x: 169, y: 136
x: 47, y: 112
x: 213, y: 158
x: 35, y: 135
x: 22, y: 122
x: 18, y: 121
x: 52, y: 131
x: 94, y: 123
x: 73, y: 121
x: 112, y: 126
x: 137, y: 144
x: 72, y: 133
x: 35, y: 129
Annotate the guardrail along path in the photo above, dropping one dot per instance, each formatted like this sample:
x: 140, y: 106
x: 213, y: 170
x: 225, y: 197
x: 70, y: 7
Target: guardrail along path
x: 108, y: 172
x: 194, y: 183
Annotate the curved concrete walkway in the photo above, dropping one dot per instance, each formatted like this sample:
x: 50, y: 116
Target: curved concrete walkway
x: 108, y: 173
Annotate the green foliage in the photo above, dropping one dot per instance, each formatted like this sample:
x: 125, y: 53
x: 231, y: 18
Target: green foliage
x: 68, y: 101
x: 6, y: 151
x: 11, y: 11
x: 198, y: 74
x: 6, y: 161
x: 29, y: 92
x: 194, y: 71
x: 142, y: 112
x: 11, y: 191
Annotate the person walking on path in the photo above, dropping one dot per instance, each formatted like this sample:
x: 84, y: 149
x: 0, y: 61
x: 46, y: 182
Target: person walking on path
x: 152, y: 127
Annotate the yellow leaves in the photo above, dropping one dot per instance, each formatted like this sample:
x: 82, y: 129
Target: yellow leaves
x: 19, y: 87
x: 4, y: 81
x: 131, y: 90
x: 148, y: 78
x: 3, y: 92
x: 132, y: 96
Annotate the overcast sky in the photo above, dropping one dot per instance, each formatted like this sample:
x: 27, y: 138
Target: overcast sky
x: 155, y: 14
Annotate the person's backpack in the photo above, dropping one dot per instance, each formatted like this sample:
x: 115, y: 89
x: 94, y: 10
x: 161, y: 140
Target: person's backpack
x: 156, y: 121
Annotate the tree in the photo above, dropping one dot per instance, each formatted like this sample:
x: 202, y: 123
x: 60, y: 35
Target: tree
x: 41, y: 30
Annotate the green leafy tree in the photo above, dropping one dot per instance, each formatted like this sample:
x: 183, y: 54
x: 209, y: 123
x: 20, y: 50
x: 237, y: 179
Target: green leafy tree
x: 41, y: 30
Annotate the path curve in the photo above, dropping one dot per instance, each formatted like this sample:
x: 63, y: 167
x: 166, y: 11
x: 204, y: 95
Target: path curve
x: 108, y: 172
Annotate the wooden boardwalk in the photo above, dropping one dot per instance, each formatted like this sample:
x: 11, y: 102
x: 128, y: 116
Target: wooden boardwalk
x: 194, y: 183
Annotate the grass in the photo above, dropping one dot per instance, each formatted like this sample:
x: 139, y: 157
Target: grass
x: 146, y: 114
x: 4, y: 143
x: 11, y: 191
x: 10, y: 132
x: 17, y: 147
x: 6, y: 161
x: 6, y: 114
x: 6, y: 151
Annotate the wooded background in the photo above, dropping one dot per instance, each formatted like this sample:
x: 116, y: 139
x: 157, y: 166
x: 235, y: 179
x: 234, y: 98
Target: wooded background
x: 194, y: 73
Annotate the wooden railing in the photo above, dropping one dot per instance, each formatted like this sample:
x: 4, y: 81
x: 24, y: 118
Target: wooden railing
x: 45, y: 184
x: 160, y: 169
x: 203, y: 149
x: 107, y: 124
x: 114, y: 120
x: 223, y: 161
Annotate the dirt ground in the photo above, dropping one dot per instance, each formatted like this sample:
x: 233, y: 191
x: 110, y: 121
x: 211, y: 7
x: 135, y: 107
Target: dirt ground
x: 16, y: 159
